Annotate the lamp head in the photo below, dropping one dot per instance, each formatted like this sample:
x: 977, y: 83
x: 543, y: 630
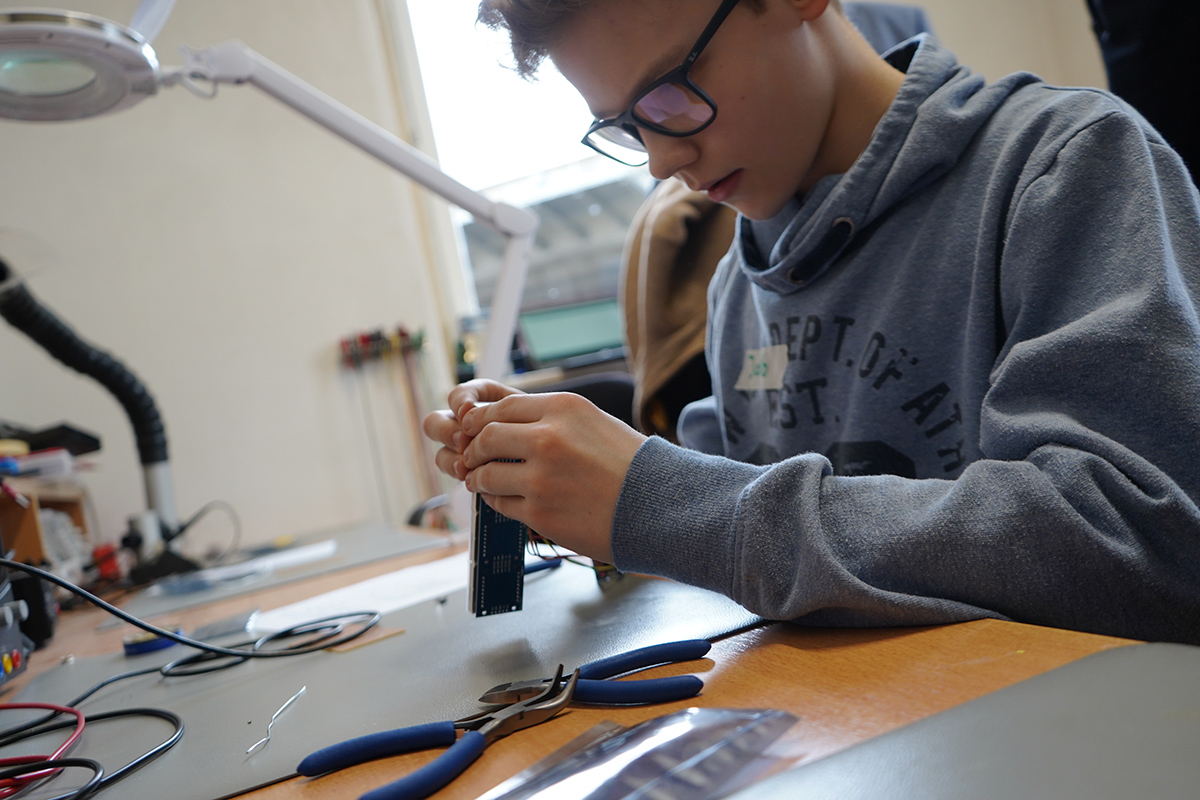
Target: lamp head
x: 60, y: 65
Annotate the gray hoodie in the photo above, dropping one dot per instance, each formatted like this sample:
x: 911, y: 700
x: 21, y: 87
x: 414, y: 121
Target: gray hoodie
x: 960, y: 380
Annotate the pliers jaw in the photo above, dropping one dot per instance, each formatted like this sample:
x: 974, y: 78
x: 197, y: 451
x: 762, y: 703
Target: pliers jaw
x: 499, y: 722
x: 595, y: 686
x: 479, y: 731
x: 513, y: 691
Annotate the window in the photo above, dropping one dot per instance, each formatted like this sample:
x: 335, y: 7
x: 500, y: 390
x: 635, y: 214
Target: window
x: 518, y: 142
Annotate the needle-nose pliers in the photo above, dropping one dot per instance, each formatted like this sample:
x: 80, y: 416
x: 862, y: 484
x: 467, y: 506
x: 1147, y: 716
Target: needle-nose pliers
x: 481, y: 730
x: 593, y: 686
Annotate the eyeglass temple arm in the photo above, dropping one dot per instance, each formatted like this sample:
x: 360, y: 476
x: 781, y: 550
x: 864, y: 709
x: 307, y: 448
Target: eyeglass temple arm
x: 709, y: 30
x: 235, y: 63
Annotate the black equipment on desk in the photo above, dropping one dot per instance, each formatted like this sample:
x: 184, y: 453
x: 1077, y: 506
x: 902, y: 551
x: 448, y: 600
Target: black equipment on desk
x: 15, y: 646
x: 40, y: 604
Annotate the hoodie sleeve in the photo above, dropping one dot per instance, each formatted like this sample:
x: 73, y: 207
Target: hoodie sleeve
x: 1082, y: 513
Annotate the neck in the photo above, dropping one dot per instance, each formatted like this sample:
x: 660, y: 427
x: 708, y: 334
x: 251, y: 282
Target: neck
x: 865, y: 89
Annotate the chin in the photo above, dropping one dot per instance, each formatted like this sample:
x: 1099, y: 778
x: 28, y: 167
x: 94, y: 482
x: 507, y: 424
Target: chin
x: 757, y: 211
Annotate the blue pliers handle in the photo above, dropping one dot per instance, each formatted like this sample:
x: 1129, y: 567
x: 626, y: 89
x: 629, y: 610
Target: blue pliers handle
x: 480, y: 729
x: 594, y: 686
x: 461, y: 754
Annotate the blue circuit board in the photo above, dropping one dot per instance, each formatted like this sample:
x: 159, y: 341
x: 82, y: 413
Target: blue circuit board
x: 497, y: 562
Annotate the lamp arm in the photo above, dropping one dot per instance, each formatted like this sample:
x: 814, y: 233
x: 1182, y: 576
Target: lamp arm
x: 150, y: 16
x: 496, y: 360
x: 234, y: 62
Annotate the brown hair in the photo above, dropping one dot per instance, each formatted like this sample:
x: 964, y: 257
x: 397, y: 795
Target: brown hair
x: 533, y: 25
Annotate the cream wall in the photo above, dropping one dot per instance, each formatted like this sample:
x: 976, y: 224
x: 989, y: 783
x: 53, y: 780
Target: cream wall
x: 1051, y: 38
x: 221, y: 248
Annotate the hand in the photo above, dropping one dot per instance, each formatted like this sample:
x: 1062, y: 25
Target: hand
x: 444, y: 426
x: 570, y: 463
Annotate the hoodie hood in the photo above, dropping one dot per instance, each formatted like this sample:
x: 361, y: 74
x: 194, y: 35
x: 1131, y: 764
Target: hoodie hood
x: 939, y: 109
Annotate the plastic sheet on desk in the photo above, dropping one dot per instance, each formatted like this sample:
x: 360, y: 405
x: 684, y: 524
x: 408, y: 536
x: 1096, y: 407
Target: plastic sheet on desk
x: 688, y: 755
x: 243, y: 571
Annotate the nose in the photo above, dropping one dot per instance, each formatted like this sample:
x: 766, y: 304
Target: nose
x: 669, y: 154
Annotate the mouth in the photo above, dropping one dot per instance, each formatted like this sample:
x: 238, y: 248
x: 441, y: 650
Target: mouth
x: 720, y: 191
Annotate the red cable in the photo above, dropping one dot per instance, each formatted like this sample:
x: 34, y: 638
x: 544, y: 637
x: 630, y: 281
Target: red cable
x: 10, y: 786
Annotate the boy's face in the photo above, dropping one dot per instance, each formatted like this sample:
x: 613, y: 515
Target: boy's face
x: 771, y: 76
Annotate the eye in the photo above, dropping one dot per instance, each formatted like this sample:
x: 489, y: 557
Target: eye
x: 673, y: 106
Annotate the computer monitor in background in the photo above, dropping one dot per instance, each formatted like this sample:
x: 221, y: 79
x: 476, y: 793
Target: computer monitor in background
x: 572, y: 336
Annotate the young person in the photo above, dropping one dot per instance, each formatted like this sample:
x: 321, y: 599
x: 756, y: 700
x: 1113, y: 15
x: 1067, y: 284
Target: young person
x: 674, y: 244
x: 955, y: 344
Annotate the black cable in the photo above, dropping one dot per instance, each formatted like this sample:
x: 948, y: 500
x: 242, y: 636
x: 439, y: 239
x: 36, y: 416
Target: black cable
x: 87, y: 790
x: 185, y: 667
x: 532, y: 545
x: 11, y: 735
x: 368, y: 618
x: 206, y: 509
x: 326, y: 633
x: 106, y: 682
x: 133, y: 766
x: 321, y: 634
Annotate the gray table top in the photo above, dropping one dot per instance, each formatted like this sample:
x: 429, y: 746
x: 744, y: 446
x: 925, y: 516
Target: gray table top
x: 432, y: 671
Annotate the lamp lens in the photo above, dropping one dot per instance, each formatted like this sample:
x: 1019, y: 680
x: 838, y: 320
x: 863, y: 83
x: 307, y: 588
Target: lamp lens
x: 42, y: 74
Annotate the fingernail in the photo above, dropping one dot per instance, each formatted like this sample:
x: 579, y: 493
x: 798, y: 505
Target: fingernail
x: 460, y: 441
x: 468, y: 423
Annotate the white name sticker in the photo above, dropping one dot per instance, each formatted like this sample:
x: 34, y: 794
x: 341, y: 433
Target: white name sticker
x: 763, y: 369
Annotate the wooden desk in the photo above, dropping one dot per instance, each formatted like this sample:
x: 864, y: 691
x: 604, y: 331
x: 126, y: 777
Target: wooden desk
x: 846, y: 685
x: 76, y: 633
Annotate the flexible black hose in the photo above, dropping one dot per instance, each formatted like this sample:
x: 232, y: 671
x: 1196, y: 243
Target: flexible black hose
x: 22, y: 310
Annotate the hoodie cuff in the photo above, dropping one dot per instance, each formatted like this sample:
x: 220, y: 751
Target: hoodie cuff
x: 677, y: 515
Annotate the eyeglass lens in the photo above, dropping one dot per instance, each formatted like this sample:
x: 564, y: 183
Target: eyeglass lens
x: 618, y: 143
x: 670, y: 106
x: 673, y: 106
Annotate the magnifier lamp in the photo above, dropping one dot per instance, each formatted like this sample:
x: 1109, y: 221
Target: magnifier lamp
x: 64, y: 65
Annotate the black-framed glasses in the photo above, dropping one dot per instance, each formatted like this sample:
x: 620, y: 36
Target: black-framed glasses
x: 673, y: 105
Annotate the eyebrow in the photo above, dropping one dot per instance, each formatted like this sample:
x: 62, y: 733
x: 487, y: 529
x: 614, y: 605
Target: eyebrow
x: 652, y: 73
x: 660, y: 68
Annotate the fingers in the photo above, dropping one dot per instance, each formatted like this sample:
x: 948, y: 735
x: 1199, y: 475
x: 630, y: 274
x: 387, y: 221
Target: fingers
x: 517, y: 428
x: 465, y: 396
x: 441, y: 427
x: 500, y: 441
x: 512, y: 408
x: 511, y: 507
x: 450, y: 462
x: 521, y: 427
x: 498, y: 479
